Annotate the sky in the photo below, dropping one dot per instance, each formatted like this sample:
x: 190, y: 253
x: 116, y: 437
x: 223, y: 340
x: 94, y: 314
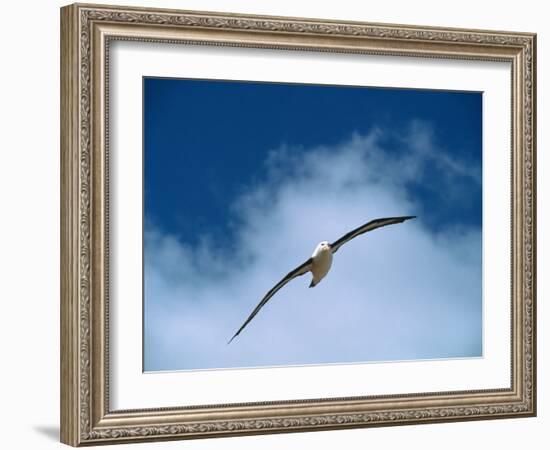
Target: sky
x: 243, y: 179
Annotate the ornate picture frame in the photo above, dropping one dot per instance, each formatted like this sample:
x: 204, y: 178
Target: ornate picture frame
x: 87, y: 32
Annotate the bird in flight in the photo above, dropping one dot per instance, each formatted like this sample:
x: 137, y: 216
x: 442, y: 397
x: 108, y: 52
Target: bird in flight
x: 320, y: 262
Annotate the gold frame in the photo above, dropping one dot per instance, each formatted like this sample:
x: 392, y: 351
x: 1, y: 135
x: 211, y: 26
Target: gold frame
x: 86, y: 31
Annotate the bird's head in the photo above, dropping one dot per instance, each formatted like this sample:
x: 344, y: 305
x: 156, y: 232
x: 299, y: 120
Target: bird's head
x: 324, y: 245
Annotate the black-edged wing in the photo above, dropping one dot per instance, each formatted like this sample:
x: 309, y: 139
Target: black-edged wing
x: 300, y: 270
x: 369, y: 226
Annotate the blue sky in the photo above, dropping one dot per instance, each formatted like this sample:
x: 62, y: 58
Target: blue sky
x: 241, y: 181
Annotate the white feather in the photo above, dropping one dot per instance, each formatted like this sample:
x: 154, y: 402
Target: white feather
x: 322, y: 260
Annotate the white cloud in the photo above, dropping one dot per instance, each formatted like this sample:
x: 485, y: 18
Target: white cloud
x: 401, y: 292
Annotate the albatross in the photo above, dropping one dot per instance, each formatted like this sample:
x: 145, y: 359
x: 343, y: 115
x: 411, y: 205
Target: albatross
x: 320, y: 262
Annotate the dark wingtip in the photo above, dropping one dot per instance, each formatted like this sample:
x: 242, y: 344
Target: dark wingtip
x: 230, y: 340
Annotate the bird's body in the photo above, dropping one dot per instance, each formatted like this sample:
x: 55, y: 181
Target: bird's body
x: 320, y: 262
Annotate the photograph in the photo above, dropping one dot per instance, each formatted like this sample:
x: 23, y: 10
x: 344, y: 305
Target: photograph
x: 243, y: 225
x: 255, y: 192
x: 277, y: 224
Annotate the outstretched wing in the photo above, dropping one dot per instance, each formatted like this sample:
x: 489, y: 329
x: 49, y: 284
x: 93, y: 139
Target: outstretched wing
x: 300, y: 270
x: 372, y: 225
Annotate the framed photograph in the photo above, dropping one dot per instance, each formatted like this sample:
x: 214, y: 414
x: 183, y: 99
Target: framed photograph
x: 276, y: 224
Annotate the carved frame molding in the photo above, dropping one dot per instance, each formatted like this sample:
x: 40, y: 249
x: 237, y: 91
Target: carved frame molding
x: 86, y: 32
